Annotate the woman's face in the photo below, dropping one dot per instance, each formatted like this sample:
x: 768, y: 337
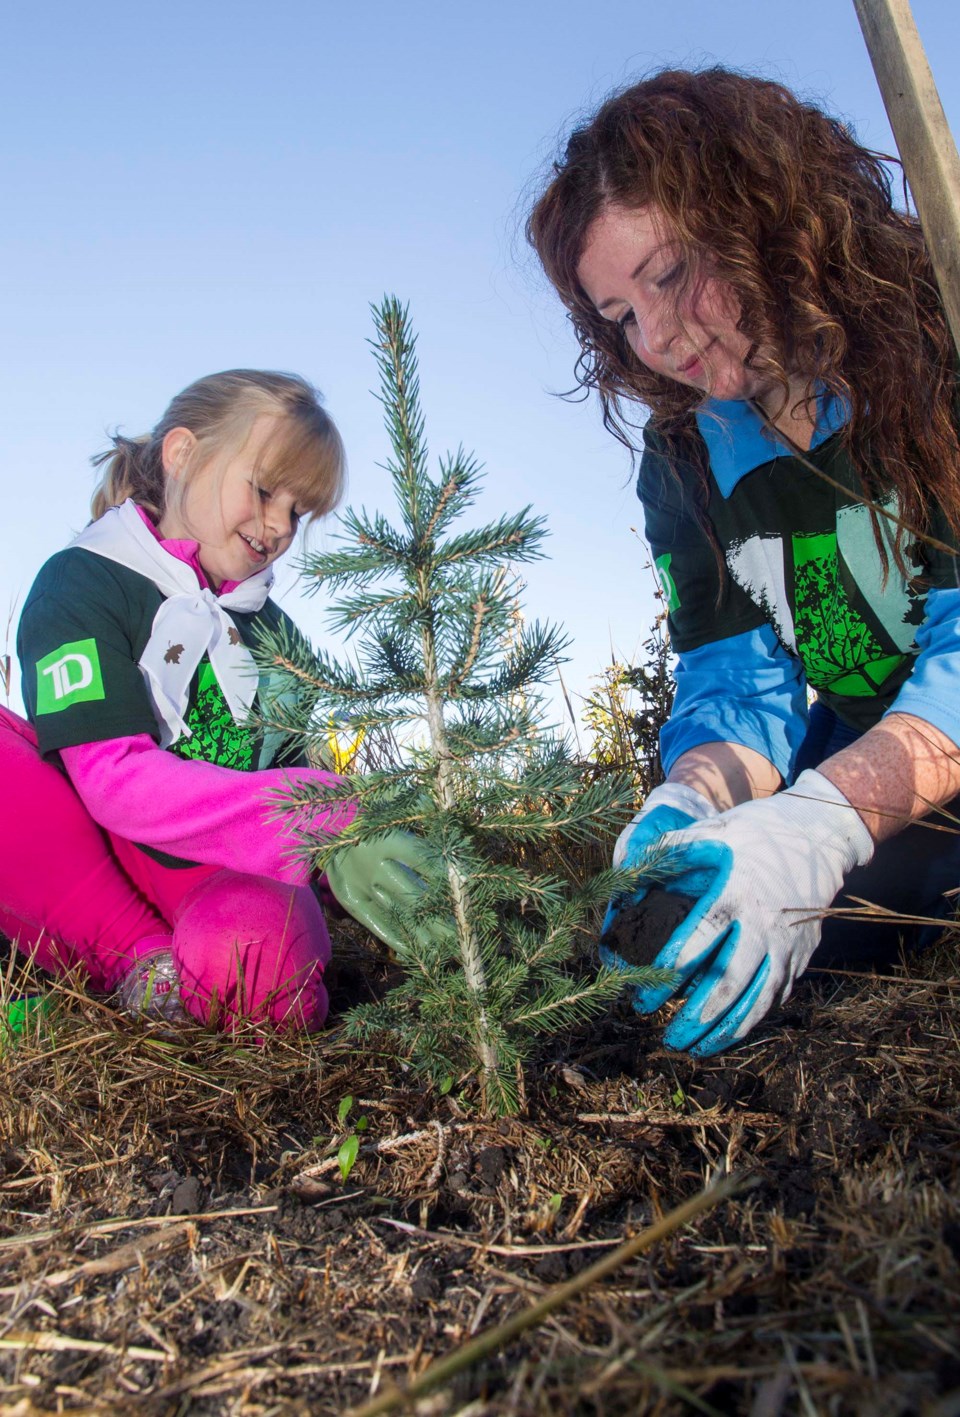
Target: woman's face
x: 680, y: 323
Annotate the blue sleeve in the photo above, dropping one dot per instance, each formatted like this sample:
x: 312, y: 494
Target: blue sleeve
x: 933, y: 690
x: 745, y: 689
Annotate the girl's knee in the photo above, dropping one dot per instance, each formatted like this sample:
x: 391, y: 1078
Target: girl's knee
x: 249, y: 948
x: 11, y: 722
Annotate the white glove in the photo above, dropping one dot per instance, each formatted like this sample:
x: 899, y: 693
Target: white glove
x: 668, y: 807
x: 761, y: 874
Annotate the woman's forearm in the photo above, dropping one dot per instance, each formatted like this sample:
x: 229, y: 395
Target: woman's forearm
x: 726, y: 773
x: 898, y: 772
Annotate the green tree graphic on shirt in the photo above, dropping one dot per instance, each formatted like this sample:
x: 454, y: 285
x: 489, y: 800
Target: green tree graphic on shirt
x: 215, y: 736
x: 838, y: 649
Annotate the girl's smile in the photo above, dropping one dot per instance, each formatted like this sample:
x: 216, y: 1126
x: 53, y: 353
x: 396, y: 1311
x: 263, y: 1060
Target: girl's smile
x: 258, y: 551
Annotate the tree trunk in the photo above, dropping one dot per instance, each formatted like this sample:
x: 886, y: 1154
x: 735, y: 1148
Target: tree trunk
x: 459, y: 893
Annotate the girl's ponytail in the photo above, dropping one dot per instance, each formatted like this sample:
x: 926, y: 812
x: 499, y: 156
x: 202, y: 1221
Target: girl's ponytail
x: 133, y: 467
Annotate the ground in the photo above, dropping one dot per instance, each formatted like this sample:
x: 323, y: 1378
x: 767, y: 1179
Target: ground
x: 176, y: 1236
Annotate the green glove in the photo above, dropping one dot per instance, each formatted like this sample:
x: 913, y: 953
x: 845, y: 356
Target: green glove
x: 373, y: 878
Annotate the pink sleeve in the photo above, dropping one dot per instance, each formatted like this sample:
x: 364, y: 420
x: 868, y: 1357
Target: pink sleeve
x: 209, y: 814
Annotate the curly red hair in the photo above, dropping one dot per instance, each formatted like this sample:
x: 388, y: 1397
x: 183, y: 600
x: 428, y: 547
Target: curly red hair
x: 834, y: 282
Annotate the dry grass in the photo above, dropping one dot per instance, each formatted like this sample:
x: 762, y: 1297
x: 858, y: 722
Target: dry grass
x: 175, y: 1235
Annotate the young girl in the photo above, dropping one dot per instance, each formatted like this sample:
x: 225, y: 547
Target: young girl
x: 733, y: 263
x: 144, y: 848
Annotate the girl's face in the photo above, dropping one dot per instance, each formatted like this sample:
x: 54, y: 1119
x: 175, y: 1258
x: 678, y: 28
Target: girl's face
x: 239, y: 526
x: 680, y: 323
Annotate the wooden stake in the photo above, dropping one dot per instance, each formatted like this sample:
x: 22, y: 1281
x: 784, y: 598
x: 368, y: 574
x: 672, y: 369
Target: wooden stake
x: 927, y: 148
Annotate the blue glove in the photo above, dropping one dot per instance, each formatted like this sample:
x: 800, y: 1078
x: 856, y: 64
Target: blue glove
x: 762, y: 875
x: 668, y: 807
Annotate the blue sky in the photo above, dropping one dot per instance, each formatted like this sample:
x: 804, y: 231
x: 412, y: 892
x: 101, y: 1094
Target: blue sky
x: 192, y: 187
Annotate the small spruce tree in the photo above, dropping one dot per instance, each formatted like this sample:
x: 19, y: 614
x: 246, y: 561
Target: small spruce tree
x: 444, y: 660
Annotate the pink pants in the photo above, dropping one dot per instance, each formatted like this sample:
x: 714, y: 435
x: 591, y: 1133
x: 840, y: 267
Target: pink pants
x: 73, y: 895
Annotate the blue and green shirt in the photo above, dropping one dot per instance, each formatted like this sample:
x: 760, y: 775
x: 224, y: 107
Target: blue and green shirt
x: 805, y: 601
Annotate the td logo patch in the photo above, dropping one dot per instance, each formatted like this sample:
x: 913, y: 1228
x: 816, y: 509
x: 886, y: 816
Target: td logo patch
x: 667, y: 584
x: 70, y: 675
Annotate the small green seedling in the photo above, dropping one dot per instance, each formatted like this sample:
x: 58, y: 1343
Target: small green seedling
x: 20, y: 1016
x: 347, y: 1155
x: 350, y: 1146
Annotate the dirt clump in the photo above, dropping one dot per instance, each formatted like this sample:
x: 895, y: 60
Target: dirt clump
x: 639, y: 932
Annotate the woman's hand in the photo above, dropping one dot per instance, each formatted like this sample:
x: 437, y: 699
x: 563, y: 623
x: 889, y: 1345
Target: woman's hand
x: 762, y: 874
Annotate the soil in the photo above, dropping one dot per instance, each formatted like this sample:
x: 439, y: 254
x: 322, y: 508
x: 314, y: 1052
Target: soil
x: 830, y: 1283
x: 639, y: 932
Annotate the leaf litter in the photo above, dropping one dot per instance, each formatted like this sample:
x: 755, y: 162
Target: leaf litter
x: 177, y: 1234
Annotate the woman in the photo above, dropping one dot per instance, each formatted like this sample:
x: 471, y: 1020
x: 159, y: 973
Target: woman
x: 733, y: 263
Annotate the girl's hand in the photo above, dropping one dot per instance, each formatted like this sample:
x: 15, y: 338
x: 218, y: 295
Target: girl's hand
x: 762, y: 874
x: 372, y: 879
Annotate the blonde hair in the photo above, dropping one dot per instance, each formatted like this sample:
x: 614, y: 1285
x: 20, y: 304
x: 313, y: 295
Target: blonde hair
x: 304, y: 456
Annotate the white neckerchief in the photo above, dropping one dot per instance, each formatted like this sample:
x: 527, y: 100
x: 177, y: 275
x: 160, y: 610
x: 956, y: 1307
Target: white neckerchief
x: 191, y: 622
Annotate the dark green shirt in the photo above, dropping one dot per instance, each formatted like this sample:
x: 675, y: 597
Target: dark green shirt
x: 85, y: 624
